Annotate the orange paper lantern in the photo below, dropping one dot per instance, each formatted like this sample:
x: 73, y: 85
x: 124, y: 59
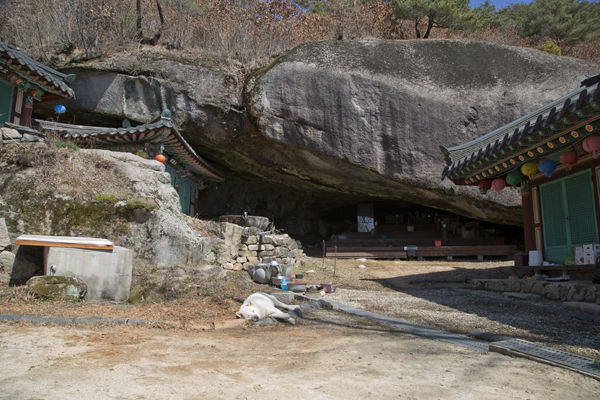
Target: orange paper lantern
x: 160, y: 158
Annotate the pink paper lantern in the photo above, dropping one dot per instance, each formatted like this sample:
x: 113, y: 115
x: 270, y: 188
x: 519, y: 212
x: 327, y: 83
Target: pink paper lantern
x: 568, y: 158
x: 591, y: 144
x: 498, y: 184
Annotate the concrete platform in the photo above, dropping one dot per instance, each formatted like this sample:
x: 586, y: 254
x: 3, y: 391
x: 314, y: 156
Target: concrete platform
x: 106, y: 273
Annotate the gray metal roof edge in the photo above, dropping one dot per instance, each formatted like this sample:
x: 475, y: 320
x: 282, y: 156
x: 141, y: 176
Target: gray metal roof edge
x: 191, y: 150
x: 54, y: 76
x: 507, y: 132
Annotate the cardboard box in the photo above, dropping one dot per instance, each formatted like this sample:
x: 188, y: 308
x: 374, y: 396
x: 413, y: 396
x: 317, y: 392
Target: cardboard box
x: 579, y: 255
x: 592, y: 248
x: 589, y: 259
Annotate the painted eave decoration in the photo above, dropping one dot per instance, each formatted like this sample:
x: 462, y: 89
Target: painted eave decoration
x: 38, y: 80
x: 159, y: 132
x: 554, y: 128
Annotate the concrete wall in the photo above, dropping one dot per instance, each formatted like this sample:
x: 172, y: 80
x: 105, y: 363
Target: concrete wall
x: 107, y: 274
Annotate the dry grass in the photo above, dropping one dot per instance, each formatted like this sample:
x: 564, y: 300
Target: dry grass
x: 65, y: 170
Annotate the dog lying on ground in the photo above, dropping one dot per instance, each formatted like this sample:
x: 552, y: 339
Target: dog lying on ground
x: 261, y: 305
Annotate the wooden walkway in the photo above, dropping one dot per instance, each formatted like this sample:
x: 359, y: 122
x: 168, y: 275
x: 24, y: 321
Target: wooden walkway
x: 403, y: 245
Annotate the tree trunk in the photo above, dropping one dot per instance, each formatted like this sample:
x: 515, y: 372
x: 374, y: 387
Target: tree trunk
x: 138, y: 21
x: 417, y: 31
x: 429, y: 26
x: 140, y: 34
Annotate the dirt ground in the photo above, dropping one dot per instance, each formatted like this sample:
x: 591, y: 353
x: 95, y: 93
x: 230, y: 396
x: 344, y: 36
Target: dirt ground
x: 327, y: 355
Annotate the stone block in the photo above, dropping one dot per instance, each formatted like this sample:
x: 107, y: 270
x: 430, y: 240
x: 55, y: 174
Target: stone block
x: 268, y: 247
x: 107, y: 274
x: 282, y: 252
x: 247, y: 253
x: 527, y: 286
x: 7, y: 259
x: 266, y: 254
x: 256, y: 247
x: 589, y: 308
x: 238, y: 267
x: 538, y: 287
x: 552, y: 292
x: 9, y: 134
x: 243, y: 247
x: 252, y: 260
x: 241, y: 260
x: 246, y: 265
x: 591, y: 294
x: 267, y: 259
x: 266, y: 239
x: 495, y: 285
x: 30, y: 138
x: 513, y: 285
x: 4, y: 238
x: 228, y: 266
x: 250, y: 240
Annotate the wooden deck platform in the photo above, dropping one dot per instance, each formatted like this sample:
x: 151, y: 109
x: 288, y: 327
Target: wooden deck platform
x: 423, y: 244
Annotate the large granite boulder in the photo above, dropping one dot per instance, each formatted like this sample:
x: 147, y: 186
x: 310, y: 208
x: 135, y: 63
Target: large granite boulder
x: 333, y: 123
x: 385, y: 107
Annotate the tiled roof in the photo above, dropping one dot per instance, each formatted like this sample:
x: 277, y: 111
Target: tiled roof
x: 161, y: 131
x: 520, y: 135
x: 58, y: 79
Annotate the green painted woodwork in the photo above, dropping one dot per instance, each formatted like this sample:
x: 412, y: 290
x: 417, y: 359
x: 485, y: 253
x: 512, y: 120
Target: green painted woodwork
x: 184, y: 189
x: 6, y: 100
x: 568, y: 215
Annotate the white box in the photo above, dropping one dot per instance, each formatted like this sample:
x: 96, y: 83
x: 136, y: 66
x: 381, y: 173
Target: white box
x: 589, y: 259
x: 579, y: 255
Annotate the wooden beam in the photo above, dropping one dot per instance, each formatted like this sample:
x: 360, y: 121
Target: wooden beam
x: 65, y: 241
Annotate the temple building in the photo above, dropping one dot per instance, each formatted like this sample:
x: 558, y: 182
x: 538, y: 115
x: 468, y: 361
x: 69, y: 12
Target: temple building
x: 24, y: 81
x: 551, y: 154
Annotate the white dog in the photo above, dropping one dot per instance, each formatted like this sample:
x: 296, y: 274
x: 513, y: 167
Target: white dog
x: 261, y: 305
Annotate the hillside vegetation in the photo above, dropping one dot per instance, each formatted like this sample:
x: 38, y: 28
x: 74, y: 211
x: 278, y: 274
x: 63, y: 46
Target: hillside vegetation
x: 253, y: 31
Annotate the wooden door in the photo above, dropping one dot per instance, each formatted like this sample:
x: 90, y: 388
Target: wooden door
x: 568, y: 215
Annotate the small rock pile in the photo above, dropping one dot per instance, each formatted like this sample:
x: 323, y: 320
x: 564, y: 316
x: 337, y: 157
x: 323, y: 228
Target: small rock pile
x: 10, y: 135
x: 259, y: 248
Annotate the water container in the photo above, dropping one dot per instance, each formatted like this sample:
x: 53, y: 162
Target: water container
x: 535, y: 258
x: 284, y: 284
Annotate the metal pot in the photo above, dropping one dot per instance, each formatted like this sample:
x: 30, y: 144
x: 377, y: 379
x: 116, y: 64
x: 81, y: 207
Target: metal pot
x: 297, y: 287
x: 260, y: 273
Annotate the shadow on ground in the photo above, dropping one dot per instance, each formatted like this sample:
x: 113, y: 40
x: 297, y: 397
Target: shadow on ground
x: 536, y: 320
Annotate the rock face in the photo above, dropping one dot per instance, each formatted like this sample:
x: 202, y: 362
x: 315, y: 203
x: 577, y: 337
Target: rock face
x: 57, y: 287
x: 330, y: 124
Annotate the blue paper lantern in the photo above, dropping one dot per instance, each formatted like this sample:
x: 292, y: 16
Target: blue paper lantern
x: 547, y: 167
x: 59, y: 109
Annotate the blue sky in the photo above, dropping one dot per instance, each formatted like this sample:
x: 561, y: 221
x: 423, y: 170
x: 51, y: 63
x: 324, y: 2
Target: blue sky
x: 503, y: 3
x: 498, y: 3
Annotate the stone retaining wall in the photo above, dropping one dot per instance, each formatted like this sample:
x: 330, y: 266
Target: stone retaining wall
x: 580, y: 291
x: 256, y: 248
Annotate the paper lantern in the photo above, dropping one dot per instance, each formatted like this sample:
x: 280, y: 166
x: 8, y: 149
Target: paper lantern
x: 484, y: 186
x: 514, y: 178
x: 529, y: 169
x: 498, y: 184
x: 568, y: 158
x: 591, y: 144
x: 547, y: 167
x: 59, y: 109
x: 160, y: 158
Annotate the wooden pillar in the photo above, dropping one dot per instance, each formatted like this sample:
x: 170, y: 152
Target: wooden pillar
x: 27, y: 111
x: 528, y: 223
